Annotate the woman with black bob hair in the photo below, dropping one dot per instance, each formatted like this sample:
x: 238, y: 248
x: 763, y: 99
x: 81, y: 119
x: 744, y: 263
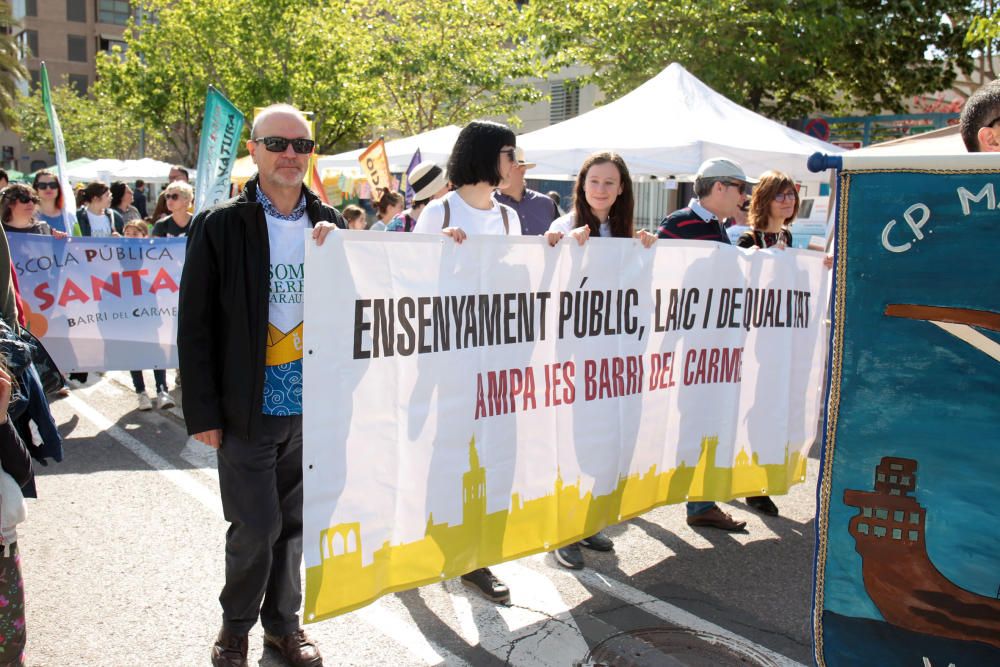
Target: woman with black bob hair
x: 482, y: 157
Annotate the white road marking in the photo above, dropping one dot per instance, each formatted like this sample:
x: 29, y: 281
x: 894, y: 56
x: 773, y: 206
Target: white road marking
x: 388, y: 616
x: 677, y: 616
x: 182, y: 480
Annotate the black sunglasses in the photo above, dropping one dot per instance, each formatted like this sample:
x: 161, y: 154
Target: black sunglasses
x: 172, y: 195
x: 279, y: 144
x: 23, y: 197
x: 47, y: 185
x: 736, y: 184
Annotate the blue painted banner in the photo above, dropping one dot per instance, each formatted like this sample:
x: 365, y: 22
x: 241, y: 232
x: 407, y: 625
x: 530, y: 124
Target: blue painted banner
x: 220, y: 137
x: 908, y: 543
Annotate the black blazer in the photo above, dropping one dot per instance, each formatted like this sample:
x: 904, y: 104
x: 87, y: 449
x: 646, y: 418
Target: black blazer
x: 223, y: 311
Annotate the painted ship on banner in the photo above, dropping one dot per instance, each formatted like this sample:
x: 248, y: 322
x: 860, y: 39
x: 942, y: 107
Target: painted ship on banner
x: 904, y: 584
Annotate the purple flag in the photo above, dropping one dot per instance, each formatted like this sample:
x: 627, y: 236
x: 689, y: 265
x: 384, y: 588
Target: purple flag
x: 414, y: 161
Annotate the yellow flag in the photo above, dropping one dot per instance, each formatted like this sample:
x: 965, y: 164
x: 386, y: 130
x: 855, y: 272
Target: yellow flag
x: 375, y: 165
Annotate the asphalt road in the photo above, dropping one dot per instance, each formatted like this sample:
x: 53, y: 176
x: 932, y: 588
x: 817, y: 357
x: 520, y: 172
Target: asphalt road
x: 123, y: 562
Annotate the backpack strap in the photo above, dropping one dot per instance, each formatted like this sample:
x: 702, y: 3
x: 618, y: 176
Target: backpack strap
x: 503, y: 214
x: 447, y: 214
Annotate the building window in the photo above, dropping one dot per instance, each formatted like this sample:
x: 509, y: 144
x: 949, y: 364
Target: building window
x: 36, y: 79
x: 899, y: 516
x: 893, y: 492
x: 76, y: 48
x: 881, y: 477
x: 881, y: 514
x: 893, y: 479
x: 31, y: 43
x: 879, y: 531
x: 107, y: 43
x: 895, y: 466
x: 867, y: 511
x: 863, y: 528
x: 31, y: 7
x: 905, y: 480
x: 914, y: 535
x: 565, y: 101
x: 897, y: 534
x: 117, y: 12
x: 80, y: 82
x: 76, y: 10
x: 914, y: 518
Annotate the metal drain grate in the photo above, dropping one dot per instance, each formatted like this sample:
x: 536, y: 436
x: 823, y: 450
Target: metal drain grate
x: 671, y: 647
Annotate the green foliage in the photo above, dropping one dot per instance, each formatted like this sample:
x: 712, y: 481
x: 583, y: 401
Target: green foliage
x: 11, y: 69
x: 92, y: 127
x: 359, y: 65
x: 429, y: 64
x: 782, y: 58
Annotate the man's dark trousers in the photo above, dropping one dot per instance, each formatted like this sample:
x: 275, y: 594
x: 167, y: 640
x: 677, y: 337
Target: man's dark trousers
x: 261, y: 485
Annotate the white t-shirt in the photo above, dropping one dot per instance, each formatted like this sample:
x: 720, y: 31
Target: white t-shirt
x: 567, y: 223
x: 283, y: 356
x: 100, y: 225
x: 472, y: 221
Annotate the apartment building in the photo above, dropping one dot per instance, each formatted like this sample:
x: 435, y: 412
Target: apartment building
x: 67, y: 35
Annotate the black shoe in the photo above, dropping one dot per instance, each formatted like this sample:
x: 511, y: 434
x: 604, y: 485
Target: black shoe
x: 763, y: 504
x: 570, y: 556
x: 488, y: 585
x: 598, y: 542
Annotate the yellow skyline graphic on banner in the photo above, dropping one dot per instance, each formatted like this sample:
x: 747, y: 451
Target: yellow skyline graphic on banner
x: 341, y: 583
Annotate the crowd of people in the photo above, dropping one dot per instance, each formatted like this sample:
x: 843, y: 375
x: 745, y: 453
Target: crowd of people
x: 243, y: 381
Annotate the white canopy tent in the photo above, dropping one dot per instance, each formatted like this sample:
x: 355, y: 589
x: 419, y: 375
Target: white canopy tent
x: 147, y: 169
x: 946, y: 141
x: 434, y: 145
x: 668, y: 126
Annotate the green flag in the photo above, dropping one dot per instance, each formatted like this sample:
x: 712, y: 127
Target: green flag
x: 68, y: 201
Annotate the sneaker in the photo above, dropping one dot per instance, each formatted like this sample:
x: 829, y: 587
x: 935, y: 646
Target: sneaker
x: 488, y: 585
x: 164, y: 401
x: 570, y: 556
x: 144, y: 402
x: 598, y: 542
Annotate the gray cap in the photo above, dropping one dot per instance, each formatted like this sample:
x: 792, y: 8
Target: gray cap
x: 723, y: 168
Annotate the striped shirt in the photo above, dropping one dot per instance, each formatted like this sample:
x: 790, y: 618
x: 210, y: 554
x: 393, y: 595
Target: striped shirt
x: 694, y: 223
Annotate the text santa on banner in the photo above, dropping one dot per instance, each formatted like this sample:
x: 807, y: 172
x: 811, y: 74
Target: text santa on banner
x: 101, y: 304
x: 470, y: 404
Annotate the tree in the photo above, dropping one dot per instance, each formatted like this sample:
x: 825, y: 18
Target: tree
x: 984, y: 36
x: 254, y: 53
x: 783, y: 58
x: 92, y: 126
x: 11, y: 69
x: 430, y: 64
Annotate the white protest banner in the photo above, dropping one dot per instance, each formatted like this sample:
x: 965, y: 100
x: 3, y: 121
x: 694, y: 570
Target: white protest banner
x: 470, y: 404
x: 101, y: 304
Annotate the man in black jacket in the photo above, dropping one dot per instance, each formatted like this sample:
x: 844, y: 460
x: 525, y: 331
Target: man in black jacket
x: 240, y: 342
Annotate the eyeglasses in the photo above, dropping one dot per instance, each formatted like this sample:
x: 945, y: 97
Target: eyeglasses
x: 23, y: 197
x: 742, y: 187
x: 279, y: 144
x: 47, y: 185
x: 784, y: 196
x: 509, y: 152
x: 173, y: 196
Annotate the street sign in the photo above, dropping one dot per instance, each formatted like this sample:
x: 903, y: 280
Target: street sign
x: 818, y: 128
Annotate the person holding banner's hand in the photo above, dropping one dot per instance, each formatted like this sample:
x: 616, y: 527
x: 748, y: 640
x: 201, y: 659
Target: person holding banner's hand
x: 18, y: 207
x: 239, y: 336
x: 482, y: 157
x: 603, y: 203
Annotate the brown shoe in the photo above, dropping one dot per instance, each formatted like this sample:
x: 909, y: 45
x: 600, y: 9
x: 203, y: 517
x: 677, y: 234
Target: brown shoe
x: 716, y: 518
x: 230, y: 650
x: 297, y: 649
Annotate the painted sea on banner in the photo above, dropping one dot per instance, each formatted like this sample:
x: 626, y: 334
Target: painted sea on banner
x: 908, y: 565
x: 470, y: 404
